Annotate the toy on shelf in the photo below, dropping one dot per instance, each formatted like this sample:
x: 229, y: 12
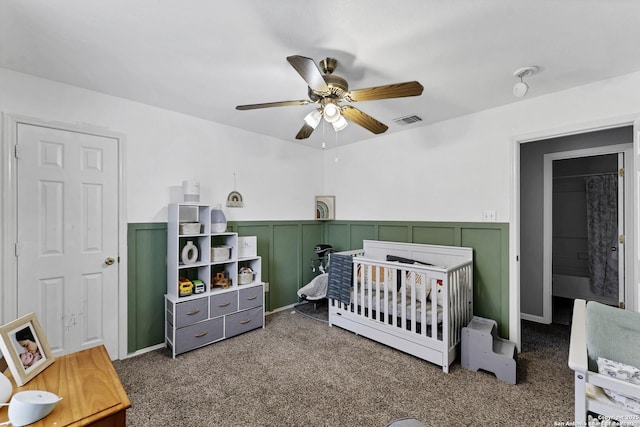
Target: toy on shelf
x: 221, y: 279
x: 185, y: 287
x: 198, y: 286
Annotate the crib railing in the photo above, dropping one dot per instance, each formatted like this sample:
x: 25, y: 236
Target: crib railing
x: 390, y: 291
x: 460, y: 293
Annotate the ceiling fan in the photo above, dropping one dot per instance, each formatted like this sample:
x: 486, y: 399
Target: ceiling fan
x: 329, y: 90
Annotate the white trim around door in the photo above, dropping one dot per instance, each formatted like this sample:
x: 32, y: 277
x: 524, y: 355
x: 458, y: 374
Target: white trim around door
x: 547, y: 284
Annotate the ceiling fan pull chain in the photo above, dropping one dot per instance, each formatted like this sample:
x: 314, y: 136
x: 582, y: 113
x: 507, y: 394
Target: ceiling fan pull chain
x: 336, y: 158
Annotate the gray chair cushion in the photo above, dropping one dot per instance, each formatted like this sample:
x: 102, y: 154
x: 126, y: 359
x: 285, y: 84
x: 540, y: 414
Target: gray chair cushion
x: 612, y: 333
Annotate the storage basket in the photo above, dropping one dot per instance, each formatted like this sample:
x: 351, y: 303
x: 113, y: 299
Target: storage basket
x: 246, y: 277
x: 247, y: 247
x: 220, y: 253
x: 187, y: 228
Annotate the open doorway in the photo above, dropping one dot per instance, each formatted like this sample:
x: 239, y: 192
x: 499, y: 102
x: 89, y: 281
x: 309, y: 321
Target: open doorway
x: 587, y: 222
x: 536, y: 225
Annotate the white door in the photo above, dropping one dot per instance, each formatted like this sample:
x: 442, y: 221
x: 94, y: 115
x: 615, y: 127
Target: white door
x: 68, y: 236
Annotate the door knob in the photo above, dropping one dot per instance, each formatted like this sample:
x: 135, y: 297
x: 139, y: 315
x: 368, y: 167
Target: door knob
x: 109, y: 261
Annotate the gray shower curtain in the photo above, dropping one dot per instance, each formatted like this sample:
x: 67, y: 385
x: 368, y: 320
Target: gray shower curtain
x: 602, y: 233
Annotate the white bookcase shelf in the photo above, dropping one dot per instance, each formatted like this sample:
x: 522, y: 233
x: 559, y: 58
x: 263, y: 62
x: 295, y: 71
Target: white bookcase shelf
x: 220, y: 308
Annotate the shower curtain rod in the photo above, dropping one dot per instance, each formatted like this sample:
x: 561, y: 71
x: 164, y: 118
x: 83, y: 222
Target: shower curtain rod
x: 584, y: 175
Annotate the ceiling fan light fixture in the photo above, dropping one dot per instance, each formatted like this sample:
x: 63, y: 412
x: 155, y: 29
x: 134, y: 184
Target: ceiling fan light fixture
x: 339, y: 124
x: 328, y: 90
x: 331, y: 112
x: 313, y: 118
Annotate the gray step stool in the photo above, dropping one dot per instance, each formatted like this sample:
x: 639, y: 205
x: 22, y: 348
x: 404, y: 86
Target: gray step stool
x: 482, y: 348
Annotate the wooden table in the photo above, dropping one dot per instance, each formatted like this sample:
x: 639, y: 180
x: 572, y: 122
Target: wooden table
x: 91, y: 391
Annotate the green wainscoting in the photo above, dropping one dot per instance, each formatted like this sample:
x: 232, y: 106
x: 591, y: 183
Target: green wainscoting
x: 146, y: 284
x: 286, y: 248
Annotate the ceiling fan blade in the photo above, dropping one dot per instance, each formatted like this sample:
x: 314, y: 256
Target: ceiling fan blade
x: 396, y: 90
x: 363, y: 119
x: 304, y: 132
x: 272, y: 104
x: 310, y: 72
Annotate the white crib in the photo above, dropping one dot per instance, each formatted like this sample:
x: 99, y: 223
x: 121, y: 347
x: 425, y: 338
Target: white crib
x: 393, y: 302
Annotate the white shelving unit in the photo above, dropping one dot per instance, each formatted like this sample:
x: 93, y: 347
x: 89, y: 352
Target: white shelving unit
x: 220, y: 310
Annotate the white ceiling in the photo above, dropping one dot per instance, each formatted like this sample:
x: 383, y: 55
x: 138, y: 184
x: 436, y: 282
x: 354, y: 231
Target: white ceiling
x: 203, y: 58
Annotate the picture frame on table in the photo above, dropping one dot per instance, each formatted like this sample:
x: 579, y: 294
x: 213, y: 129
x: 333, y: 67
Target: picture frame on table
x: 325, y: 208
x: 25, y: 348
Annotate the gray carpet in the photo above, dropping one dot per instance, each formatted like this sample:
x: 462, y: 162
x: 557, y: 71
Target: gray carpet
x: 301, y: 372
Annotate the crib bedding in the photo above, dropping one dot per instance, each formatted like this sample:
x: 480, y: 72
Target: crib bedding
x: 339, y: 285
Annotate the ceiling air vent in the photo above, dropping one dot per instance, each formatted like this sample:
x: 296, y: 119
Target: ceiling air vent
x: 407, y: 120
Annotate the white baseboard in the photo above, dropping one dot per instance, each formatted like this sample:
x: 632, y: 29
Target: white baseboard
x: 286, y: 307
x: 144, y: 350
x: 532, y: 318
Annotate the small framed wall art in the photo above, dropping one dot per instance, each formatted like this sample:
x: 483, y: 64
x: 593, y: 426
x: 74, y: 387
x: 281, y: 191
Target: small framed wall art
x: 325, y: 208
x: 25, y: 348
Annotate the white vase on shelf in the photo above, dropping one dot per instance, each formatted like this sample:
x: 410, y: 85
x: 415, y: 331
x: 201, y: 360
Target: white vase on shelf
x: 189, y: 253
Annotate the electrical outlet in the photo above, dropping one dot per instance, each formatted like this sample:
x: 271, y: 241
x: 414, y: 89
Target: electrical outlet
x: 489, y: 216
x: 266, y: 286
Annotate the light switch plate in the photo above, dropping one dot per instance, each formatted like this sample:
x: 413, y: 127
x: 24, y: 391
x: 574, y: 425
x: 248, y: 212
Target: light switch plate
x: 489, y: 216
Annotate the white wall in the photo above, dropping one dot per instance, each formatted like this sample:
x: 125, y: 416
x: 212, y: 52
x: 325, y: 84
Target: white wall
x: 277, y: 179
x: 455, y: 170
x: 449, y: 171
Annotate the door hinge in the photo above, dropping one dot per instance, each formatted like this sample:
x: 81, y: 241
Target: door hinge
x: 621, y: 238
x: 17, y: 249
x: 17, y: 152
x: 621, y: 172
